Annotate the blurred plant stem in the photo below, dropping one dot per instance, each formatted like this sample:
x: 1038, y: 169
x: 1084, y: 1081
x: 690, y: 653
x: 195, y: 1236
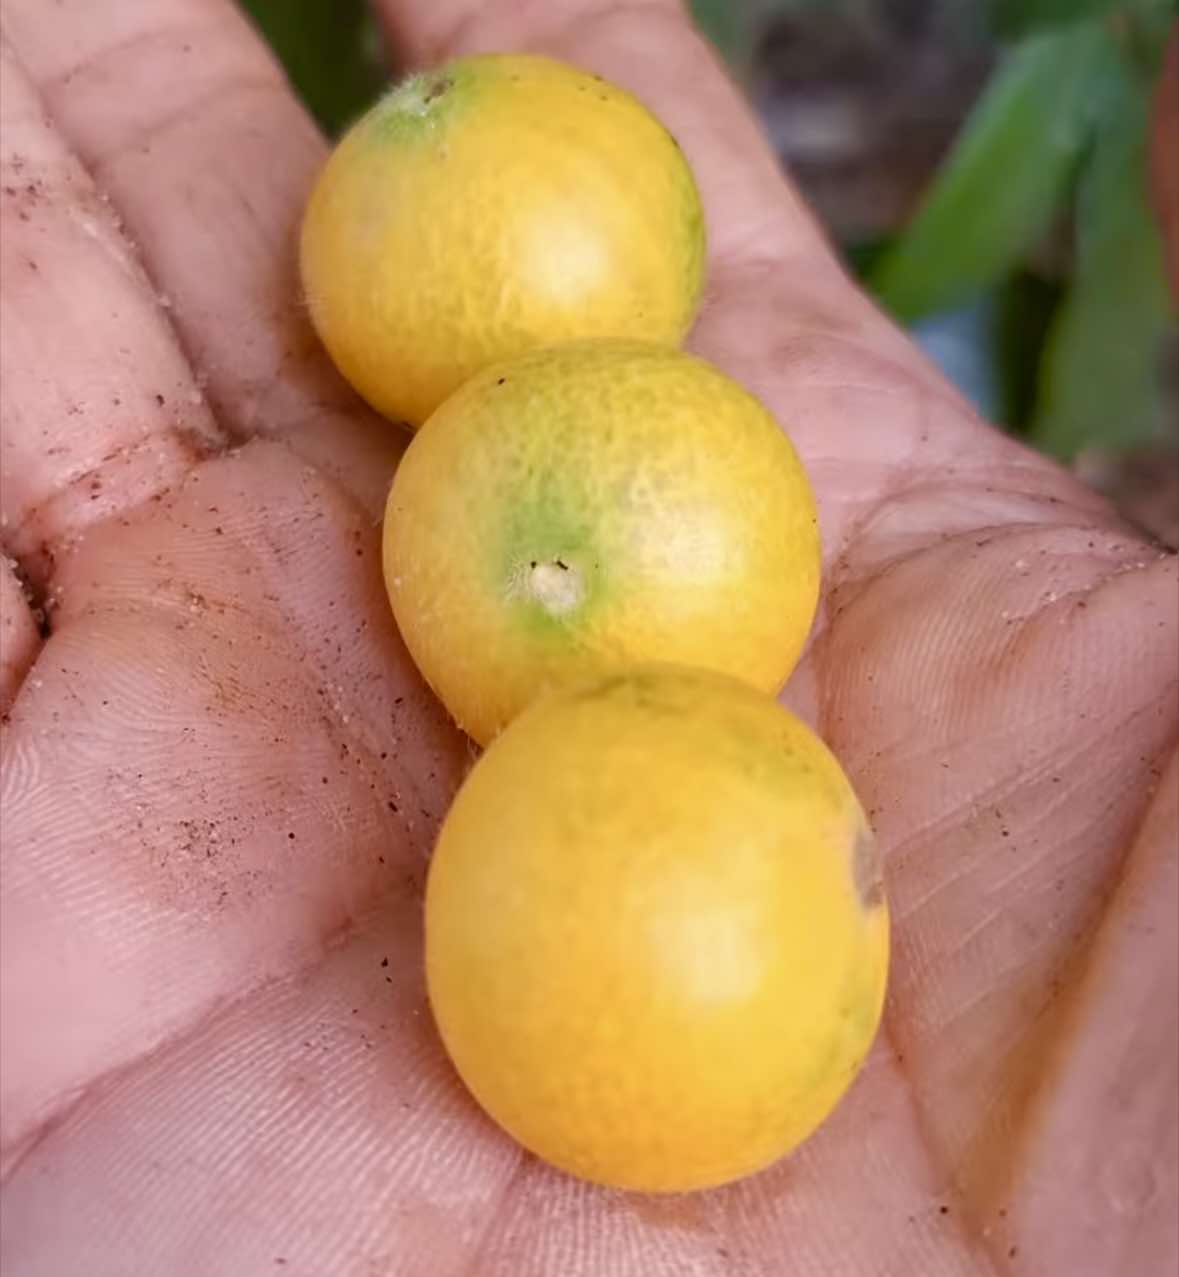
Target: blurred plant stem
x: 330, y: 50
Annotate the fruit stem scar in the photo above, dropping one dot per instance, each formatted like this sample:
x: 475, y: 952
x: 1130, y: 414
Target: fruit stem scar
x: 417, y: 95
x: 437, y: 89
x: 555, y: 585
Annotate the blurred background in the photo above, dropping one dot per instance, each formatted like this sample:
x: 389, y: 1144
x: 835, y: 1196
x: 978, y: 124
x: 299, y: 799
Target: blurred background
x: 982, y: 165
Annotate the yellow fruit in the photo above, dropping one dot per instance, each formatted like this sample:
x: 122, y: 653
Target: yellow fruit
x: 491, y: 205
x: 591, y: 505
x: 656, y: 944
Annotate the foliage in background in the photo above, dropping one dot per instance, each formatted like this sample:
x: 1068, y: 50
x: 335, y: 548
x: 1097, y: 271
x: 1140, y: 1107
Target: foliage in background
x: 1060, y: 134
x: 1019, y: 17
x: 1099, y: 382
x: 1053, y: 151
x: 330, y: 50
x: 1000, y: 189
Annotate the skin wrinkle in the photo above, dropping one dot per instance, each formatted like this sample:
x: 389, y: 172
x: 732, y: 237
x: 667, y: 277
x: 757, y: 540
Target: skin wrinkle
x: 290, y: 382
x: 1078, y: 958
x: 953, y: 1202
x: 360, y: 747
x: 1064, y: 998
x: 850, y: 580
x: 37, y: 566
x: 72, y: 1106
x: 141, y: 44
x: 481, y: 1243
x: 236, y: 92
x: 994, y: 981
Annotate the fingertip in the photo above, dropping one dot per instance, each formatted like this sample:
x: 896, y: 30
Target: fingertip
x: 428, y: 33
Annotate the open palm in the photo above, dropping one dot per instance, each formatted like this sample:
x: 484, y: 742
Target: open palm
x: 222, y: 776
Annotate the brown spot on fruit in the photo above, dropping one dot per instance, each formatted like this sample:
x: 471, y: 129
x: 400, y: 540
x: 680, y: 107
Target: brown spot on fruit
x: 867, y: 869
x: 437, y: 89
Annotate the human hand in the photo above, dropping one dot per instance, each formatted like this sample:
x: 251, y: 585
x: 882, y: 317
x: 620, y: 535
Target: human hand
x: 222, y: 775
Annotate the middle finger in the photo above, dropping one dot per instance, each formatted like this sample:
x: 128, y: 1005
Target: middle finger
x: 185, y: 120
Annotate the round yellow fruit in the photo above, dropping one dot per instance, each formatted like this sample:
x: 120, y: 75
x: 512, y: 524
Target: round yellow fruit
x: 591, y: 505
x: 491, y: 205
x: 656, y: 943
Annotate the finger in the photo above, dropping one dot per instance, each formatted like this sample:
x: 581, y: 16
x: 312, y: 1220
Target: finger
x: 324, y: 1132
x: 222, y: 754
x: 321, y: 1134
x: 184, y: 119
x: 99, y: 409
x: 19, y: 639
x: 180, y: 888
x: 1118, y: 1055
x: 1003, y: 730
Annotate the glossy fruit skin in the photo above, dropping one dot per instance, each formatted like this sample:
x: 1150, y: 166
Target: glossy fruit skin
x: 494, y: 204
x: 593, y: 505
x: 656, y: 943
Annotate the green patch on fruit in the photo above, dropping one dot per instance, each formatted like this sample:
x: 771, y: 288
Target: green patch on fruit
x: 645, y: 689
x: 419, y: 104
x: 546, y: 564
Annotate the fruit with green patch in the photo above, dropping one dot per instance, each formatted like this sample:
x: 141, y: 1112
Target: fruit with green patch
x: 490, y: 205
x: 591, y: 505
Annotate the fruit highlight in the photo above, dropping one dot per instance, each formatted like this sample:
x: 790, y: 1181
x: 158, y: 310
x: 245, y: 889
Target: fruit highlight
x: 655, y: 943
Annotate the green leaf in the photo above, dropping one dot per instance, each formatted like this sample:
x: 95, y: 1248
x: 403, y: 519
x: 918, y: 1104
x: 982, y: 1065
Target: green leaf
x: 1017, y: 17
x: 328, y: 52
x: 1005, y: 179
x: 733, y: 26
x: 1143, y: 29
x: 1099, y: 380
x: 1026, y: 304
x: 719, y: 22
x: 728, y: 27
